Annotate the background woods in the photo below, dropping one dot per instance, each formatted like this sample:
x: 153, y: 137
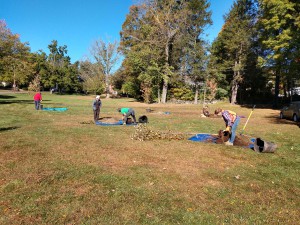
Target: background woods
x: 163, y: 54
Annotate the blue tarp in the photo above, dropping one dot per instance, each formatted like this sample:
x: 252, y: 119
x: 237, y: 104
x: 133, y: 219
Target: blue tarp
x: 213, y: 139
x: 120, y: 122
x: 203, y: 138
x: 55, y: 109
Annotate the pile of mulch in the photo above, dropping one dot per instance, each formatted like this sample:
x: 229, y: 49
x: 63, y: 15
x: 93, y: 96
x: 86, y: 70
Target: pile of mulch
x: 144, y: 133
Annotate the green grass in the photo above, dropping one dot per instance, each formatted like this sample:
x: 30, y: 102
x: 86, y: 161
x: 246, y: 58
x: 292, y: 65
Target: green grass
x: 56, y: 170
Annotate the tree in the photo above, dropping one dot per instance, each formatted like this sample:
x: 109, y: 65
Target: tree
x: 94, y: 79
x: 106, y: 56
x: 35, y: 85
x: 61, y: 74
x: 15, y: 56
x: 233, y: 43
x: 163, y: 24
x: 279, y: 25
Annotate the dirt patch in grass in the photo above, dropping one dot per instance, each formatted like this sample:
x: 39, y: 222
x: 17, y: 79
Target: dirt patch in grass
x: 109, y: 119
x: 240, y: 140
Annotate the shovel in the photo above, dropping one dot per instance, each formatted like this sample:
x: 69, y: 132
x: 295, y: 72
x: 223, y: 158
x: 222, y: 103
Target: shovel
x: 248, y: 119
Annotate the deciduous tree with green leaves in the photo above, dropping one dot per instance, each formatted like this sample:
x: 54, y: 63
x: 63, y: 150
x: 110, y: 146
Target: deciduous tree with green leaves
x: 94, y: 79
x: 15, y: 64
x: 163, y: 25
x: 61, y: 73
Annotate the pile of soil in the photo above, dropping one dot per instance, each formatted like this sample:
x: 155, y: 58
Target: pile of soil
x: 240, y: 140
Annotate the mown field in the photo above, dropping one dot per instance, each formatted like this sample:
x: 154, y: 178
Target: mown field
x: 57, y: 168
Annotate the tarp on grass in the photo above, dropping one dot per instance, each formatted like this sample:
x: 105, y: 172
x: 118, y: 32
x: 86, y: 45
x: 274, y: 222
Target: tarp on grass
x: 55, y: 109
x: 203, y: 138
x: 120, y: 122
x: 209, y: 138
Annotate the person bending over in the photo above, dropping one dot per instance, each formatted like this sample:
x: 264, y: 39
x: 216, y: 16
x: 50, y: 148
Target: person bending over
x: 126, y: 112
x: 231, y: 121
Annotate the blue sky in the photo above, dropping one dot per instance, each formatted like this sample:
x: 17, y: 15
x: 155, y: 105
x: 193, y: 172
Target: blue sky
x: 78, y: 23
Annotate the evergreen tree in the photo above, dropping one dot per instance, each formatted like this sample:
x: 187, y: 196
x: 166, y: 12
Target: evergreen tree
x: 233, y: 43
x: 280, y: 28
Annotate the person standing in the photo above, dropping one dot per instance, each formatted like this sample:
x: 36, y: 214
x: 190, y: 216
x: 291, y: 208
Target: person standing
x: 96, y: 107
x: 232, y: 121
x: 37, y: 100
x: 126, y: 112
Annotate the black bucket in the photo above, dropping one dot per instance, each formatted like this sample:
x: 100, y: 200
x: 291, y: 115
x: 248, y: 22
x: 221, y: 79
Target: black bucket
x: 264, y: 146
x: 129, y: 121
x: 143, y: 119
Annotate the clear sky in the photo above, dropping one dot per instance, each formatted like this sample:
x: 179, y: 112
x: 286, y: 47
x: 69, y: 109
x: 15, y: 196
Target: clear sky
x: 78, y: 23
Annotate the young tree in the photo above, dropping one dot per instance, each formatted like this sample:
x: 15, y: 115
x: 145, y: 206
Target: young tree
x: 94, y: 79
x: 106, y: 55
x: 35, y: 85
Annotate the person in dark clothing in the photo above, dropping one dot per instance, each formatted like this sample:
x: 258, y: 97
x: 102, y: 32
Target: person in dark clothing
x: 126, y: 112
x: 232, y: 120
x: 96, y: 107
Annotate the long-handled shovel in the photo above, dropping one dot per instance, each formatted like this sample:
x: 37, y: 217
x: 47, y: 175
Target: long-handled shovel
x: 248, y: 119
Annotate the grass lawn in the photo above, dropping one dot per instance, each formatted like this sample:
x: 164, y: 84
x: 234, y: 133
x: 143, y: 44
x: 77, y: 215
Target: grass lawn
x: 57, y: 168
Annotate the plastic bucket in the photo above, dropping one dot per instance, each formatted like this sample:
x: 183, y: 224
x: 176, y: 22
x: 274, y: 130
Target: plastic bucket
x: 264, y: 146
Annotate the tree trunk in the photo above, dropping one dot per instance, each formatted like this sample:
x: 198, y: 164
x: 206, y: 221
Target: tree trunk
x: 165, y: 80
x: 164, y: 92
x: 15, y: 84
x: 277, y: 80
x: 158, y: 95
x: 235, y: 85
x: 107, y: 86
x: 196, y: 96
x: 234, y: 90
x: 204, y: 94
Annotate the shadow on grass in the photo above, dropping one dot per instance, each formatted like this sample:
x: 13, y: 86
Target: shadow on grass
x: 258, y: 106
x: 16, y: 101
x: 2, y: 129
x: 6, y: 97
x: 5, y: 102
x: 277, y: 120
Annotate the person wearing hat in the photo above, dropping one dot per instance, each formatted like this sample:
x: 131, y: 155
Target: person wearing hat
x: 96, y: 107
x: 126, y: 112
x: 232, y: 120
